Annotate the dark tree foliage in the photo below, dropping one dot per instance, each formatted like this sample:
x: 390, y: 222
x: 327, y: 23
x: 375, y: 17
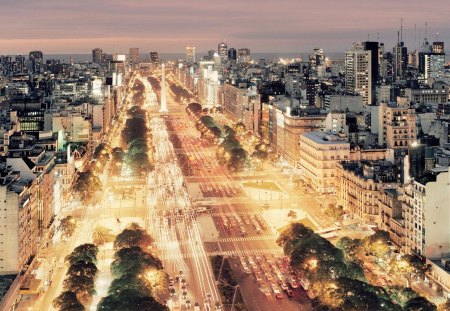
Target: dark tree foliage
x: 132, y: 260
x: 86, y: 184
x: 420, y: 304
x: 130, y: 300
x: 67, y: 301
x: 133, y: 236
x: 85, y: 252
x: 86, y: 268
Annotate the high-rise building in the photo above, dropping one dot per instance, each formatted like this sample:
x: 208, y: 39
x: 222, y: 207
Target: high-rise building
x: 374, y: 48
x: 244, y: 55
x: 36, y: 59
x: 222, y: 50
x: 232, y: 55
x: 134, y: 56
x: 431, y: 59
x: 358, y: 72
x: 97, y: 56
x: 400, y: 53
x: 190, y: 54
x: 154, y: 57
x: 438, y: 47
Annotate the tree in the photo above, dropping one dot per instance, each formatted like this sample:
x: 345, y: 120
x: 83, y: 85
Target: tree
x: 67, y: 301
x: 129, y: 281
x: 334, y: 211
x: 132, y: 260
x: 377, y: 244
x: 130, y: 300
x: 350, y: 246
x: 85, y: 268
x: 292, y: 214
x: 239, y: 128
x: 133, y: 236
x: 401, y: 295
x: 237, y: 160
x: 67, y: 226
x: 101, y: 235
x: 419, y: 304
x: 84, y: 252
x: 81, y: 285
x: 86, y: 185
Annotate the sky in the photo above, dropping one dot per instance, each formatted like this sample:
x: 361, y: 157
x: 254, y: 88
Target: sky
x: 168, y: 26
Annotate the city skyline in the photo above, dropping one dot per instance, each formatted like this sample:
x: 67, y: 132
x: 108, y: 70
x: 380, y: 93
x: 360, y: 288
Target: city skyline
x: 170, y: 26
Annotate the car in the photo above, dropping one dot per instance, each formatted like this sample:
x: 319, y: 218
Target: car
x: 188, y: 304
x: 218, y: 306
x: 172, y: 292
x: 279, y: 295
x: 196, y: 306
x: 184, y: 295
x: 183, y: 282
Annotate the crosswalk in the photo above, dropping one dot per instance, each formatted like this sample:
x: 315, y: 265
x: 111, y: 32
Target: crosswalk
x: 236, y: 252
x: 249, y: 252
x: 249, y: 238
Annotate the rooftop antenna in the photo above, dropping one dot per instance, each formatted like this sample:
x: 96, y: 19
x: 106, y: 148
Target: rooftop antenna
x: 415, y: 37
x: 378, y: 36
x: 401, y: 30
x: 426, y: 30
x: 368, y: 37
x: 437, y: 36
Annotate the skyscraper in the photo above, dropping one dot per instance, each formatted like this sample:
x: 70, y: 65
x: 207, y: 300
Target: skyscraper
x: 232, y: 55
x: 373, y: 47
x: 36, y: 60
x: 431, y: 59
x: 222, y: 50
x: 154, y: 57
x: 134, y: 56
x: 97, y: 56
x: 400, y: 53
x: 244, y: 55
x: 358, y: 72
x: 190, y: 54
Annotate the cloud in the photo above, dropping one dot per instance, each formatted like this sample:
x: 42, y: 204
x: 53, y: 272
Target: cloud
x: 169, y: 25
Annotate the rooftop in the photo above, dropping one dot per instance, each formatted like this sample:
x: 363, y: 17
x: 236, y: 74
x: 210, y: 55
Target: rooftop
x: 324, y: 138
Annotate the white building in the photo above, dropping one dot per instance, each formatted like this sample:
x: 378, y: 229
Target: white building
x: 358, y: 73
x: 426, y: 212
x: 320, y: 152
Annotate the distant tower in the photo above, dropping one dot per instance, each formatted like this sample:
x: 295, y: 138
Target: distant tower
x: 222, y: 50
x: 97, y: 55
x: 190, y: 54
x: 163, y: 90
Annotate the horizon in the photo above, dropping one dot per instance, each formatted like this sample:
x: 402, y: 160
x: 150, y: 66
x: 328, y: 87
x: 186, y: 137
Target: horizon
x: 77, y: 27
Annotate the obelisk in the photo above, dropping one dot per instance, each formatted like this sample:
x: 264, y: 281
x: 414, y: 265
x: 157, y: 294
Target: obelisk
x: 163, y: 90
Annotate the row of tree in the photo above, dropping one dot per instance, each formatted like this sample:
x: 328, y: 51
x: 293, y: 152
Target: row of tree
x: 79, y: 285
x: 337, y: 280
x: 183, y: 160
x: 140, y: 282
x: 230, y: 152
x: 136, y: 135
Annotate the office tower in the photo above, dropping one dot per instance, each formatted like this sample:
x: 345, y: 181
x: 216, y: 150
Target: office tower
x: 222, y: 50
x: 400, y: 53
x: 133, y: 56
x: 438, y: 47
x: 317, y: 58
x: 163, y: 90
x: 431, y: 59
x: 358, y: 72
x: 244, y: 55
x: 97, y: 56
x: 190, y: 54
x: 154, y: 57
x: 373, y: 47
x: 36, y: 60
x: 232, y: 55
